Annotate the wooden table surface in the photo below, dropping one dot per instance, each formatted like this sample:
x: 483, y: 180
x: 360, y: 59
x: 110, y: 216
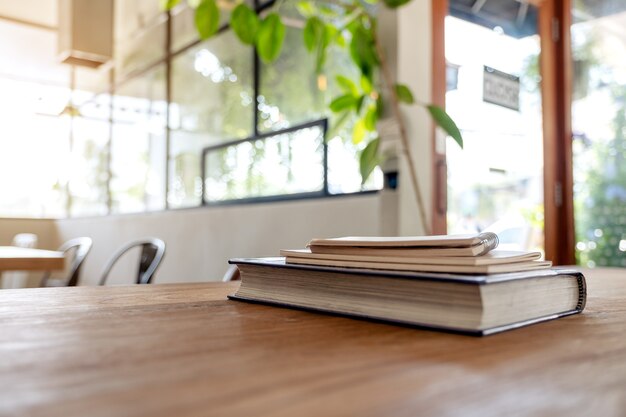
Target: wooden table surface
x: 26, y: 259
x: 184, y: 350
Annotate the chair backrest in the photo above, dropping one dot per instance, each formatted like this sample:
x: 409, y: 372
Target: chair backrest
x: 152, y: 251
x: 232, y: 274
x: 81, y: 246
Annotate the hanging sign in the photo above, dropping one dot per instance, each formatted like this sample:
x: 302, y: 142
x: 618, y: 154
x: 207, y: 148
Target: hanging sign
x: 501, y: 88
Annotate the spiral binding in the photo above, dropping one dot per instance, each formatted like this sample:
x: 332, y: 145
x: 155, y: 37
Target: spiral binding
x: 582, y: 292
x: 489, y: 241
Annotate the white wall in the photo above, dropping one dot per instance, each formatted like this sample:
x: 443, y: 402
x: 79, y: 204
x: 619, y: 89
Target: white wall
x: 200, y: 241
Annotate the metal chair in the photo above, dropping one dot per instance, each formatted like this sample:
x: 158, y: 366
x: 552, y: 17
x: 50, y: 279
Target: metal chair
x: 232, y: 274
x: 152, y: 252
x: 81, y: 247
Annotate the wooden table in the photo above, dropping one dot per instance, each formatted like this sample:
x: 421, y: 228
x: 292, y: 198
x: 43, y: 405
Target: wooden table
x: 26, y: 259
x: 184, y: 350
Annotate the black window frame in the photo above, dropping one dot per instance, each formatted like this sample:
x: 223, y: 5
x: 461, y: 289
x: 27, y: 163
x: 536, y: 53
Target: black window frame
x: 322, y: 123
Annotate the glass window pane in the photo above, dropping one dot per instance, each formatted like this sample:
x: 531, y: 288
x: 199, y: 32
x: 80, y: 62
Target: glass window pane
x: 599, y: 132
x: 294, y: 71
x: 91, y: 92
x: 88, y: 163
x: 212, y: 102
x: 495, y: 182
x: 140, y: 34
x: 288, y: 163
x: 280, y: 108
x: 343, y: 166
x: 88, y: 192
x: 34, y: 146
x: 138, y: 144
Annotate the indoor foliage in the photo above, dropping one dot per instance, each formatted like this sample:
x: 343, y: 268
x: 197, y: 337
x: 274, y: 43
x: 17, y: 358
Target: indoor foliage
x: 348, y: 24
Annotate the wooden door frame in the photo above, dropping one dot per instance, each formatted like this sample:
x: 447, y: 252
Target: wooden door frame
x: 439, y: 208
x: 556, y: 89
x: 556, y: 74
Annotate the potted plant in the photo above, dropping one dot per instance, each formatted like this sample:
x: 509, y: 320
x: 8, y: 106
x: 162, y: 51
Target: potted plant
x: 353, y: 26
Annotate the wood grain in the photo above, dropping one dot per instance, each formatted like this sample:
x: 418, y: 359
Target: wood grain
x: 184, y: 350
x: 26, y: 259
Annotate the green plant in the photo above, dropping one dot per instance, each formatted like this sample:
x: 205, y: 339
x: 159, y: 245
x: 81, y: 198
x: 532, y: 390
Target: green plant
x: 348, y: 24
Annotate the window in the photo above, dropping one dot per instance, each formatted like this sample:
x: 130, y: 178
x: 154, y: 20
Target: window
x: 89, y: 144
x: 495, y: 182
x: 140, y: 35
x: 138, y: 144
x: 599, y: 133
x: 202, y: 122
x: 34, y: 140
x: 212, y: 102
x: 289, y: 162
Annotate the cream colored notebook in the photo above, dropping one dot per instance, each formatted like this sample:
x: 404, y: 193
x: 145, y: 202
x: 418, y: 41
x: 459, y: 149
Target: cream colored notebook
x: 438, y: 241
x: 461, y: 269
x: 494, y: 257
x: 449, y: 245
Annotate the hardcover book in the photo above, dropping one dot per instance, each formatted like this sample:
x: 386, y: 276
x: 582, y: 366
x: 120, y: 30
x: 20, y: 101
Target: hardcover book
x: 473, y: 304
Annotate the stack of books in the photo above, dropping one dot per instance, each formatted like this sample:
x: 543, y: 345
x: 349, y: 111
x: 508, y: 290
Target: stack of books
x: 473, y: 254
x: 458, y: 283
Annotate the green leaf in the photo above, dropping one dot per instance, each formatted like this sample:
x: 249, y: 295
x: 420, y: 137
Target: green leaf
x: 366, y: 84
x: 369, y: 159
x: 270, y: 38
x: 331, y: 32
x: 327, y: 11
x: 363, y: 49
x: 317, y: 37
x: 194, y: 3
x: 342, y: 103
x: 370, y: 118
x: 320, y: 58
x: 404, y: 94
x: 245, y: 23
x: 444, y: 121
x: 313, y: 33
x: 337, y: 124
x: 207, y: 18
x: 306, y: 8
x: 358, y: 104
x: 396, y: 3
x: 337, y: 36
x: 168, y: 4
x: 347, y: 86
x: 358, y: 132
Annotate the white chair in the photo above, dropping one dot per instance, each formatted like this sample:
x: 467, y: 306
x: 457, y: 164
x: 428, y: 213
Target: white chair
x: 19, y: 279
